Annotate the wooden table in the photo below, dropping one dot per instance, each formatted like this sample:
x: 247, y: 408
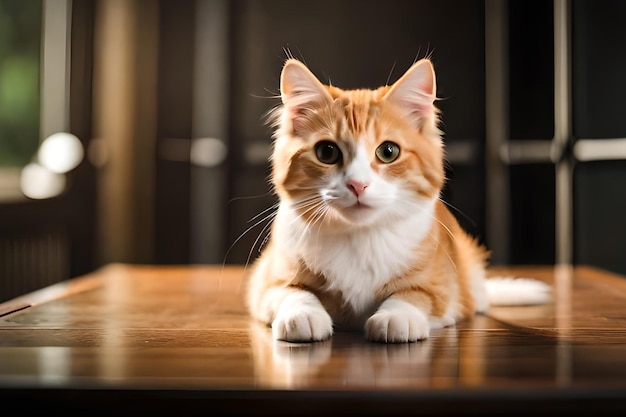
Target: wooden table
x: 148, y: 340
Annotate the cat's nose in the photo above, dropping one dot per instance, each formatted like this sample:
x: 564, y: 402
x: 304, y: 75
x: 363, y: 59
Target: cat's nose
x: 357, y: 187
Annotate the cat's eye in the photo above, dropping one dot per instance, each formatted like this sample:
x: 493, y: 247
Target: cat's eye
x: 388, y: 152
x: 328, y: 152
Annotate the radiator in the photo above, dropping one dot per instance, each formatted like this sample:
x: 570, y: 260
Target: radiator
x: 28, y: 263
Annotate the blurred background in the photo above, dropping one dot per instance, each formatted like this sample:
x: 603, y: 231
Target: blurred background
x: 133, y: 130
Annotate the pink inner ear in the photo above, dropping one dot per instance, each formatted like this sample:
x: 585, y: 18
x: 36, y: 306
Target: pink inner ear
x: 415, y: 91
x: 425, y: 109
x: 296, y: 115
x: 427, y: 87
x: 300, y: 101
x: 417, y: 106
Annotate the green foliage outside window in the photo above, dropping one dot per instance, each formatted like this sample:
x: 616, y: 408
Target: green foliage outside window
x: 20, y: 50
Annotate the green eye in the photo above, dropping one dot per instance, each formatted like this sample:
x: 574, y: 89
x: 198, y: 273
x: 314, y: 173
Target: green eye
x: 328, y: 152
x: 388, y: 152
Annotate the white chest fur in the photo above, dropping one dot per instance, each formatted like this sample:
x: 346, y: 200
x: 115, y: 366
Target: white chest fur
x: 359, y: 262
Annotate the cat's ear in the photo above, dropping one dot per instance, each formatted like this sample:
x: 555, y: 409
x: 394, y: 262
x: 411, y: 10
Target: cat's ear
x: 415, y: 92
x: 300, y: 90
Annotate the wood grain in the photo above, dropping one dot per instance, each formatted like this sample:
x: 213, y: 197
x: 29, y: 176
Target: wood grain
x: 159, y: 334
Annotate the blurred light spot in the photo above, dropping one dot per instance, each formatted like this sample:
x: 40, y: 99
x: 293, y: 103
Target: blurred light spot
x: 207, y: 152
x: 258, y: 153
x: 39, y: 182
x: 55, y: 364
x: 60, y: 152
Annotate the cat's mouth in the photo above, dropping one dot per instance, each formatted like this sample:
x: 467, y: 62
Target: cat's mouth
x: 359, y: 214
x: 359, y: 205
x: 357, y: 209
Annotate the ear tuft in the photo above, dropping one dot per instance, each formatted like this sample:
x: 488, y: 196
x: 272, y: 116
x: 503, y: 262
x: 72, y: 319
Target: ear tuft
x: 415, y: 92
x: 298, y: 84
x: 300, y: 91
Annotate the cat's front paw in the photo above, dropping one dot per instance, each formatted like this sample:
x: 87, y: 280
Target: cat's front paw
x: 304, y: 322
x: 305, y: 325
x: 397, y: 321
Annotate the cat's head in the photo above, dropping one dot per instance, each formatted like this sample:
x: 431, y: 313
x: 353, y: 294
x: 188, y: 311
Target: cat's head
x: 356, y: 157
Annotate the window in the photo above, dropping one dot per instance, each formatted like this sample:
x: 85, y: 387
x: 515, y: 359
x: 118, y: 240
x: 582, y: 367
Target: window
x: 20, y: 52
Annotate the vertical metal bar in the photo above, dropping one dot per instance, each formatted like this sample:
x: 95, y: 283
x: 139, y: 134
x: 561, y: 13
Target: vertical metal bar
x: 210, y: 121
x: 497, y: 129
x: 563, y: 183
x: 562, y: 132
x: 55, y: 74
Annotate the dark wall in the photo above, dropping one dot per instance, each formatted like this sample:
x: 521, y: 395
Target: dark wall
x: 531, y: 116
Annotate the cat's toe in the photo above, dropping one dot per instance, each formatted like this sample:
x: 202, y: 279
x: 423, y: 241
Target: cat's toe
x: 397, y: 327
x: 305, y: 325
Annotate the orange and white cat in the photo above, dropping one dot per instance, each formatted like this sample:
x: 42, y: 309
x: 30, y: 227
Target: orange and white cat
x: 361, y: 237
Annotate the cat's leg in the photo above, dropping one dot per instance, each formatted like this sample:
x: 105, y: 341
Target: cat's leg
x: 397, y: 321
x: 295, y: 314
x: 298, y: 316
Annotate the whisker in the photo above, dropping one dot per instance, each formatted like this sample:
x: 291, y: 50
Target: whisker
x: 444, y: 226
x: 318, y: 215
x: 448, y: 231
x: 267, y: 225
x: 465, y: 216
x: 265, y: 218
x: 250, y: 197
x: 273, y: 95
x: 272, y: 207
x: 306, y: 202
x: 312, y: 207
x: 287, y: 52
x: 391, y: 72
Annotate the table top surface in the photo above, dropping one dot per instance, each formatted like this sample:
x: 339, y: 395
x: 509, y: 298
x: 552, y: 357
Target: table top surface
x: 180, y: 328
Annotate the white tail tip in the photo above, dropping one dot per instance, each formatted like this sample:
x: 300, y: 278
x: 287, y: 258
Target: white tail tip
x: 508, y: 291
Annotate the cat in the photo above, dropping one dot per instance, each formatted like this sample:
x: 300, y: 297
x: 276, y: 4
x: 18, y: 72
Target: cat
x: 361, y: 238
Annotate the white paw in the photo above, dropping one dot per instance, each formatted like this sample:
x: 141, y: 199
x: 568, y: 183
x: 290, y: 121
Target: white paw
x: 397, y: 321
x: 302, y: 318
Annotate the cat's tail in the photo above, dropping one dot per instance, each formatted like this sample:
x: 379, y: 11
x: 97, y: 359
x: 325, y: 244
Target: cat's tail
x: 508, y: 291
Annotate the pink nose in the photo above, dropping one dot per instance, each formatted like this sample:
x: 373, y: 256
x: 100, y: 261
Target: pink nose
x: 356, y: 187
